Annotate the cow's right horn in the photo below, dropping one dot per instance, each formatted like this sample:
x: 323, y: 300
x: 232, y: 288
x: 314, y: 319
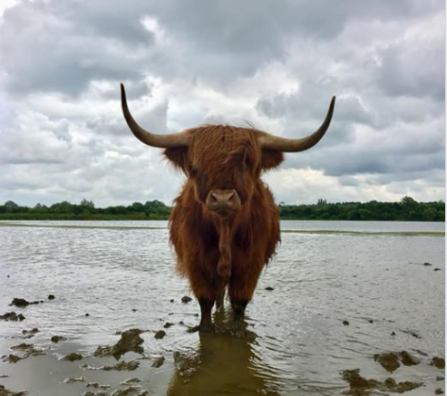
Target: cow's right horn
x: 163, y: 141
x: 294, y: 145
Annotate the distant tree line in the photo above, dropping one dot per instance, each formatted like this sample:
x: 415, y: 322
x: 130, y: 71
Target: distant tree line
x: 406, y: 210
x: 86, y: 210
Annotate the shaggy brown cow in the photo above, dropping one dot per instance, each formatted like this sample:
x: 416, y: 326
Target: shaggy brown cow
x: 225, y: 224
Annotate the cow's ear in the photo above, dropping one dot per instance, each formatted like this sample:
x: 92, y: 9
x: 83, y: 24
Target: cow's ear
x: 271, y: 159
x: 178, y: 156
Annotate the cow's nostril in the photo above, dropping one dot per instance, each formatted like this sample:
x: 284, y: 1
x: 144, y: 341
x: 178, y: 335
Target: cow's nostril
x: 223, y: 200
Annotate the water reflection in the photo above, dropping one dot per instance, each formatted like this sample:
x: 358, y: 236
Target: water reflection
x: 224, y: 363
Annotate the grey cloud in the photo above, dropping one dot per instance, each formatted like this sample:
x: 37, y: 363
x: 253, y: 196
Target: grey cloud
x: 61, y: 46
x: 44, y: 52
x: 388, y: 127
x: 414, y: 71
x: 354, y: 160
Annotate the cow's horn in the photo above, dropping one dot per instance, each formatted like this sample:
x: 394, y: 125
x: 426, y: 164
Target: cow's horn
x: 162, y: 141
x: 294, y: 145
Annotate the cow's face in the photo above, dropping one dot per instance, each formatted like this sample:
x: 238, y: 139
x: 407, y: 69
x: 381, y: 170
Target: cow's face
x: 224, y: 164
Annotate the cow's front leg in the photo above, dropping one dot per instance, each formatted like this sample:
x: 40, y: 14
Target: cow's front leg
x: 205, y: 292
x: 206, y: 306
x: 244, y: 278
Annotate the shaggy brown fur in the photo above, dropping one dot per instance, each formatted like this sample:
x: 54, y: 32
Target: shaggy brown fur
x: 216, y: 253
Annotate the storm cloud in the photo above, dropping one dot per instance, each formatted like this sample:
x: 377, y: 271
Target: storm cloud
x: 274, y: 64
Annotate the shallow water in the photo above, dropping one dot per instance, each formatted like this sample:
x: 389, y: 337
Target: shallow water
x: 122, y: 275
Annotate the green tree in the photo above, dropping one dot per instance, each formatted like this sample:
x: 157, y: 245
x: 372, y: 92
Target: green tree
x: 87, y: 204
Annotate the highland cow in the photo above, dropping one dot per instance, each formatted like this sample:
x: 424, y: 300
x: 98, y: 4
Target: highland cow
x: 224, y: 225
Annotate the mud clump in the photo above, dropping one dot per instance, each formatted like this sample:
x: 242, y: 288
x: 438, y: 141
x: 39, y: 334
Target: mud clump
x: 97, y: 385
x: 389, y: 361
x: 56, y: 339
x: 400, y: 387
x: 438, y: 362
x: 12, y: 317
x: 11, y: 359
x: 72, y: 357
x: 30, y: 333
x: 360, y: 386
x: 24, y: 351
x: 158, y: 362
x: 439, y: 391
x: 131, y: 390
x: 51, y: 297
x: 122, y: 366
x: 6, y: 392
x: 22, y: 303
x: 269, y: 288
x: 167, y: 325
x: 27, y: 348
x: 407, y: 359
x: 19, y: 302
x: 130, y: 342
x: 73, y: 380
x: 89, y: 393
x: 131, y: 381
x: 186, y: 299
x: 160, y: 334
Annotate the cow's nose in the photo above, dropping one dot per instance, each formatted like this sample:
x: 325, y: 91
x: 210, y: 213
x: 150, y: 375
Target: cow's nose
x: 223, y: 201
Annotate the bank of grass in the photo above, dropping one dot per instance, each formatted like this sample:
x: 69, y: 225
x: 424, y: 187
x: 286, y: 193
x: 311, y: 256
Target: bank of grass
x: 368, y: 233
x: 320, y: 232
x: 84, y: 217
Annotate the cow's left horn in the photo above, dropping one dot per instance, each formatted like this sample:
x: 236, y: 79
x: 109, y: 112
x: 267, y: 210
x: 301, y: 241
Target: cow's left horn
x: 151, y: 139
x: 294, y: 145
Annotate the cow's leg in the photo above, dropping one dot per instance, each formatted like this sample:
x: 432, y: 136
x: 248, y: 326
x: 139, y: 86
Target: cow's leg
x: 205, y: 292
x: 243, y: 282
x: 206, y: 307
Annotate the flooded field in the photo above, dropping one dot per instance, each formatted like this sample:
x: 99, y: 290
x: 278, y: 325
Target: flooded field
x: 338, y: 297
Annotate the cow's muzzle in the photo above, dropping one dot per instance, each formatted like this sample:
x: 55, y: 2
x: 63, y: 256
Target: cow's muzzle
x: 223, y: 202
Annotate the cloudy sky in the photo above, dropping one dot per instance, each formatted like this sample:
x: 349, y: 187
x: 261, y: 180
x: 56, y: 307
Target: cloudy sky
x: 273, y: 63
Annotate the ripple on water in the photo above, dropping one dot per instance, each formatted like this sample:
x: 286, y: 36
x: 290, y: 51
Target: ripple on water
x: 109, y: 280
